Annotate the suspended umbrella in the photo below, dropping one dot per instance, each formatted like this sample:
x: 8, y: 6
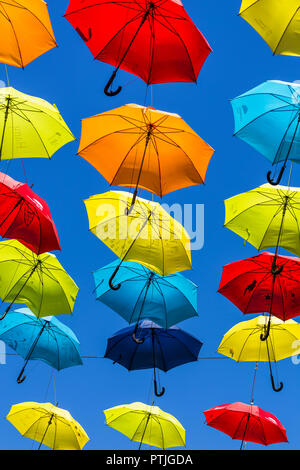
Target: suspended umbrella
x: 146, y: 424
x: 147, y: 234
x: 46, y: 339
x: 146, y: 295
x: 252, y: 286
x: 48, y: 425
x: 243, y: 342
x: 40, y: 282
x: 31, y: 127
x: 25, y: 217
x: 275, y: 22
x: 26, y: 31
x: 266, y: 217
x: 267, y: 118
x: 155, y: 40
x: 247, y: 423
x: 159, y: 348
x: 144, y: 148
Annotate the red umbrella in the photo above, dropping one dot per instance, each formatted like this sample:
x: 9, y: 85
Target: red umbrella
x: 254, y: 287
x: 155, y: 40
x: 25, y: 217
x: 246, y: 423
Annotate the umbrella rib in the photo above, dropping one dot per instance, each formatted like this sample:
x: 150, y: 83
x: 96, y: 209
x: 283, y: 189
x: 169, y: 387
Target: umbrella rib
x: 287, y: 27
x: 15, y: 35
x: 283, y: 138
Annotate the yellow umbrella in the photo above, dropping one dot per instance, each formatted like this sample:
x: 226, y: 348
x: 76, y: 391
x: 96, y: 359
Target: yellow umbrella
x: 277, y: 22
x: 49, y: 425
x: 146, y: 234
x: 146, y: 424
x: 25, y: 31
x: 247, y: 341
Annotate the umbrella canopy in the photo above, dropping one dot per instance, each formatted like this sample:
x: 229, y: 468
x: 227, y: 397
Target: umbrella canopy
x: 49, y: 425
x: 242, y: 342
x: 25, y: 31
x: 247, y: 341
x: 146, y: 424
x: 158, y: 348
x: 253, y: 288
x: 144, y: 148
x: 267, y: 118
x: 266, y: 217
x: 25, y: 217
x: 165, y: 300
x: 147, y: 234
x: 246, y: 423
x: 155, y: 40
x: 31, y: 127
x: 40, y: 282
x: 276, y: 22
x: 46, y: 339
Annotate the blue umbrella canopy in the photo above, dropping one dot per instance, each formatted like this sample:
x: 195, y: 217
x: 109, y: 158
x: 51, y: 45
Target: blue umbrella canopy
x: 45, y: 339
x: 158, y: 348
x: 268, y: 118
x: 146, y: 295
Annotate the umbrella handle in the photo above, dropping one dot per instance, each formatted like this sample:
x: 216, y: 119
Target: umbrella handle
x: 21, y: 379
x: 271, y: 180
x: 157, y: 393
x: 109, y: 83
x: 275, y: 270
x: 117, y: 287
x: 137, y: 340
x: 276, y: 389
x: 6, y: 312
x: 264, y: 336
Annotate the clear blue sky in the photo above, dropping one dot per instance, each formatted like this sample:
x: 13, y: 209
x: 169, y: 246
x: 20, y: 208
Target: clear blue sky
x: 70, y: 78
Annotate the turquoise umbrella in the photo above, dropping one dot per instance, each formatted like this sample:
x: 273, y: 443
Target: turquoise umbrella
x: 45, y: 339
x: 144, y: 294
x: 268, y: 118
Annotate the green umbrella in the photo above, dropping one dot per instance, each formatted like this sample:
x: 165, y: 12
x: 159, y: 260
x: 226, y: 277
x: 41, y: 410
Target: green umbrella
x: 40, y: 282
x: 30, y: 126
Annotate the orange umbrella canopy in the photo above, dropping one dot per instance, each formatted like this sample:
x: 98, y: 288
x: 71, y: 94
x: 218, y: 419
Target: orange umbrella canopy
x: 25, y: 31
x: 142, y: 147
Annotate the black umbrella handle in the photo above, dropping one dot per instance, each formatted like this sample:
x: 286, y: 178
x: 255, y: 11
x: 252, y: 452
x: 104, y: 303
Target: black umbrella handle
x: 157, y: 393
x: 116, y: 287
x: 275, y: 182
x: 21, y: 379
x: 264, y: 336
x: 109, y: 83
x: 276, y: 389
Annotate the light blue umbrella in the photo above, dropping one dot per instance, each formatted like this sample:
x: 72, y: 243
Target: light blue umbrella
x: 45, y: 339
x: 268, y: 118
x: 146, y: 295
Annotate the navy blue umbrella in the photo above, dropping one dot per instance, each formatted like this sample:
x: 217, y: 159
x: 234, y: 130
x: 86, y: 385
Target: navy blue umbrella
x: 158, y: 348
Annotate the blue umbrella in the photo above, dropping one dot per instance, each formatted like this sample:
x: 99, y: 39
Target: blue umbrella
x: 159, y: 348
x: 268, y: 118
x: 143, y: 294
x: 46, y: 339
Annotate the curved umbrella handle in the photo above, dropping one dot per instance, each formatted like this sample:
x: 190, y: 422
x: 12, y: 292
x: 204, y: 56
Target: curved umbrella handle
x: 275, y: 270
x: 265, y: 336
x: 271, y: 181
x: 6, y: 312
x: 117, y: 287
x: 157, y: 393
x: 137, y: 340
x: 109, y: 83
x: 21, y: 379
x: 276, y: 389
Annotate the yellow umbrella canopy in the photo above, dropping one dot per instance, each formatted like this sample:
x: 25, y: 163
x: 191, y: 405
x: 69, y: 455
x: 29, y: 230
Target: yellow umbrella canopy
x: 30, y: 127
x: 25, y: 31
x: 49, y: 425
x: 146, y: 424
x: 146, y: 234
x: 247, y: 341
x: 266, y: 216
x: 276, y: 21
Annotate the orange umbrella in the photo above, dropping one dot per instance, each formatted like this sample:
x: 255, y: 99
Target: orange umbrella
x: 143, y: 147
x: 25, y: 31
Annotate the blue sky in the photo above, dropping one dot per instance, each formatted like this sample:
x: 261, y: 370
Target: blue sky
x: 70, y: 78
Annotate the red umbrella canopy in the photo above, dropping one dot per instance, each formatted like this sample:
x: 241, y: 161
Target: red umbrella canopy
x: 250, y: 285
x: 155, y: 40
x: 247, y: 423
x: 25, y: 217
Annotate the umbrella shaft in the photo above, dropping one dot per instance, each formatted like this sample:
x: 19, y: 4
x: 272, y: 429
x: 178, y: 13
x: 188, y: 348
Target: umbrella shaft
x: 4, y: 125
